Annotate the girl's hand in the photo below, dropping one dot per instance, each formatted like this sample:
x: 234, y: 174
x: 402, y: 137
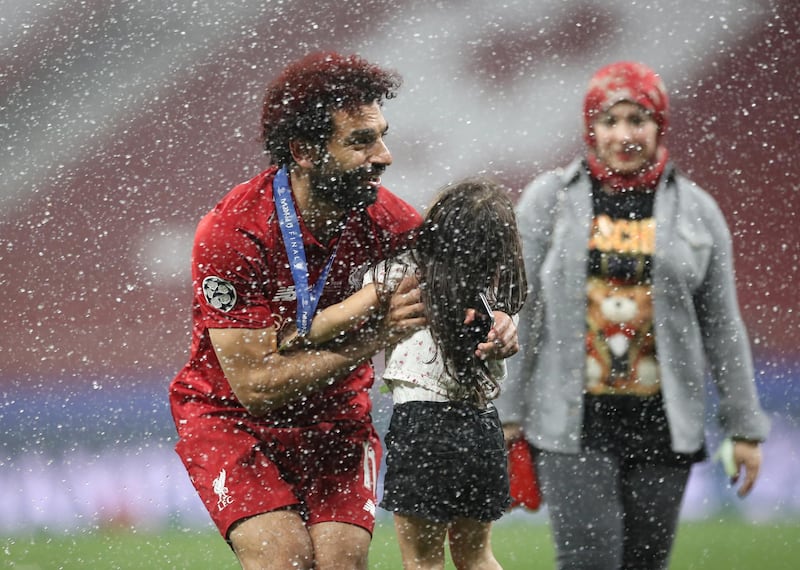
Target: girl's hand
x: 502, y: 340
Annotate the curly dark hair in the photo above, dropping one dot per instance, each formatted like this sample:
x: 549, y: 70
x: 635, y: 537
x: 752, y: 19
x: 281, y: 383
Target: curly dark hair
x: 469, y: 244
x: 298, y: 103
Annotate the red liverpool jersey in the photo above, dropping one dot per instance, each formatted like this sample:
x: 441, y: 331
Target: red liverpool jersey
x: 241, y: 279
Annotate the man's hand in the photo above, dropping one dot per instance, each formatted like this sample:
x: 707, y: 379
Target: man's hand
x: 502, y: 340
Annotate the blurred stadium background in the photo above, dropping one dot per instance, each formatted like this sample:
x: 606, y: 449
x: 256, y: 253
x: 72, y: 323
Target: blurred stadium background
x: 123, y: 122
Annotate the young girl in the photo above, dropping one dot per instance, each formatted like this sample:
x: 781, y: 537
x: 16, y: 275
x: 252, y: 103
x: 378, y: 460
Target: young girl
x: 446, y: 460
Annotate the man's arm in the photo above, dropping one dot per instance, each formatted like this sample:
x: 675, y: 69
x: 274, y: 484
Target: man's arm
x: 264, y: 379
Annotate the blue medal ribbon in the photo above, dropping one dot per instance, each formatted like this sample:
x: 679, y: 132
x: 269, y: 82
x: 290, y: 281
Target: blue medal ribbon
x: 307, y: 296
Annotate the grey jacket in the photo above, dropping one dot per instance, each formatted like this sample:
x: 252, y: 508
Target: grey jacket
x: 697, y: 322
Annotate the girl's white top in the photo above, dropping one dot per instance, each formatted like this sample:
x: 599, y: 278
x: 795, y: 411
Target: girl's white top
x: 414, y: 368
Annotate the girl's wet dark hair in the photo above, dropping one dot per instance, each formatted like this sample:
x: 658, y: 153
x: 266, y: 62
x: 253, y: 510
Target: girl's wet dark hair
x: 298, y: 103
x: 468, y: 244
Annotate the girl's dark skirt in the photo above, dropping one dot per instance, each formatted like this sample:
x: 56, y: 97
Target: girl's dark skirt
x: 446, y: 460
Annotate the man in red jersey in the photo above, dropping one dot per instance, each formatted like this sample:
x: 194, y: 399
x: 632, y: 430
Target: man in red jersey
x: 279, y: 443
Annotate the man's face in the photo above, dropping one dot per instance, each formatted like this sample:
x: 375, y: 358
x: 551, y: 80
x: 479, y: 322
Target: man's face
x: 626, y: 138
x: 348, y: 173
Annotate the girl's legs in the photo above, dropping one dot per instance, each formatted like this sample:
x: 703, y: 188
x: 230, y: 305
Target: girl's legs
x: 421, y: 542
x: 471, y: 546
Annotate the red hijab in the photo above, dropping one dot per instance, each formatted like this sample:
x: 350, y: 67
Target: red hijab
x: 637, y: 83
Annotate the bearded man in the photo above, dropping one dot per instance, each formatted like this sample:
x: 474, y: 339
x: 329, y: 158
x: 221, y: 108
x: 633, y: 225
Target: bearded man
x: 280, y: 444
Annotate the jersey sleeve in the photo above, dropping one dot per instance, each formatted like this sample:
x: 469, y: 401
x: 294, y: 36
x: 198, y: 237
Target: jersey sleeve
x: 228, y: 273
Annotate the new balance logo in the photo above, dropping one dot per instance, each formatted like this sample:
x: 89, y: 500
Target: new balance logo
x: 285, y: 294
x: 369, y: 506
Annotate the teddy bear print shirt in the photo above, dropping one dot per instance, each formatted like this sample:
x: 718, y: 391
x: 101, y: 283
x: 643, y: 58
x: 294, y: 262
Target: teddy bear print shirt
x: 620, y: 347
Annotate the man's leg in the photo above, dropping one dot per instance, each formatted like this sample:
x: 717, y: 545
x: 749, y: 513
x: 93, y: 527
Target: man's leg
x: 340, y: 546
x: 340, y: 495
x: 274, y: 540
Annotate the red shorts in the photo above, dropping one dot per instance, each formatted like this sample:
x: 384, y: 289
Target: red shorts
x: 328, y: 471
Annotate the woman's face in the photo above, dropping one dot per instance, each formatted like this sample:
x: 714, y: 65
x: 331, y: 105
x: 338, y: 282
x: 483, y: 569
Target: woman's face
x: 626, y: 137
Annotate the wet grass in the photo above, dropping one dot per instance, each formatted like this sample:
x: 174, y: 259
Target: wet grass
x: 710, y: 545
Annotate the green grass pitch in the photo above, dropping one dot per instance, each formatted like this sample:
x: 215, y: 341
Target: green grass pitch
x: 709, y: 545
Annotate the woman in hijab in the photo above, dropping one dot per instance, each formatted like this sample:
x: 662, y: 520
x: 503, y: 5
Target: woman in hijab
x: 632, y: 300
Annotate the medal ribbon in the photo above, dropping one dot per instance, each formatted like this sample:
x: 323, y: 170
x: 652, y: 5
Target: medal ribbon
x: 307, y: 296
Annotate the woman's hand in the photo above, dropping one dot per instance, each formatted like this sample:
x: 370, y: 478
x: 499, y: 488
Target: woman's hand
x: 747, y: 457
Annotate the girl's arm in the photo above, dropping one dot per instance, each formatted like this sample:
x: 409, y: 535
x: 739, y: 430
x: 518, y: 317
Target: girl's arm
x: 354, y: 311
x: 333, y: 320
x: 351, y: 312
